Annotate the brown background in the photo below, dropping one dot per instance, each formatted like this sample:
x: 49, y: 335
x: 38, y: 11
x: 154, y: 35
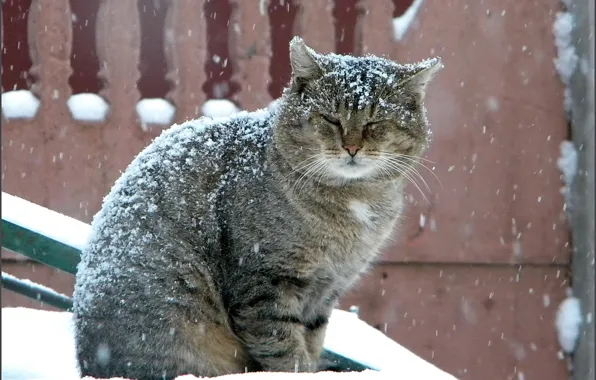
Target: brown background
x: 474, y: 289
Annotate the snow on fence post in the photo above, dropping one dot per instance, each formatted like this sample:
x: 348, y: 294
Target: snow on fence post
x: 250, y: 53
x: 315, y: 24
x: 67, y: 145
x: 185, y: 45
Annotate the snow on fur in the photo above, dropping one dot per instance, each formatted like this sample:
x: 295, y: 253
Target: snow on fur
x: 159, y: 165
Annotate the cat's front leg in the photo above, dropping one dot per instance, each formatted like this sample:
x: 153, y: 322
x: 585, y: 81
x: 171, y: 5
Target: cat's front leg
x: 273, y: 335
x: 315, y: 337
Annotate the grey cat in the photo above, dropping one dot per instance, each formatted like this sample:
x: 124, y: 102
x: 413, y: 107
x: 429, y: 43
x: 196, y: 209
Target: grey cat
x: 226, y: 244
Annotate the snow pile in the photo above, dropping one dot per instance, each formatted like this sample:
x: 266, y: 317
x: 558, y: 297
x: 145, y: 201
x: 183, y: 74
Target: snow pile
x: 155, y: 111
x: 19, y: 104
x: 219, y: 108
x: 88, y: 107
x: 37, y: 345
x: 568, y: 322
x: 365, y: 375
x: 567, y: 164
x: 42, y: 347
x: 402, y: 23
x: 46, y: 222
x: 351, y: 337
x: 567, y: 59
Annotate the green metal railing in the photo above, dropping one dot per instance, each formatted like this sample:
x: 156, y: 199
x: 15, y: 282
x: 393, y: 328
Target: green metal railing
x: 57, y: 254
x: 36, y: 291
x: 39, y: 247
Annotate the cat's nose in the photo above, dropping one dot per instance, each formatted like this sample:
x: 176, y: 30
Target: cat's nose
x: 351, y: 149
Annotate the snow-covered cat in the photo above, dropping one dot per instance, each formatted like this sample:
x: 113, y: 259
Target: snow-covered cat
x: 227, y: 242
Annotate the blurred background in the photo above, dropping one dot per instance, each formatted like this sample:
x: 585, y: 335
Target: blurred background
x: 479, y: 266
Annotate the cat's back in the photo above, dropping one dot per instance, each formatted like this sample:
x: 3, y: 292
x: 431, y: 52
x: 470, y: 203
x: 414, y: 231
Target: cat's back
x: 167, y: 192
x: 186, y: 163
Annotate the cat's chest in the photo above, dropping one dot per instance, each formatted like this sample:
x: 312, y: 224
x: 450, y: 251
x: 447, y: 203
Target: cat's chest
x: 354, y: 239
x: 365, y: 215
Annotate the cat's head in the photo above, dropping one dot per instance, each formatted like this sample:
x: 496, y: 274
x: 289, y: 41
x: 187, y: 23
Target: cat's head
x: 347, y: 118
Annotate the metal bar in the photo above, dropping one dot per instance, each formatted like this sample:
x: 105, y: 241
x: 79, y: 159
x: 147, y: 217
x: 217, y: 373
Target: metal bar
x: 40, y: 247
x: 36, y: 291
x: 338, y: 363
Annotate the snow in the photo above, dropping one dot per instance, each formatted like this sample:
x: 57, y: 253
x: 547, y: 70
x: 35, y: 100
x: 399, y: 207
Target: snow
x: 88, y: 107
x: 351, y: 337
x: 155, y: 111
x: 39, y: 219
x: 567, y: 60
x: 263, y: 7
x: 568, y: 322
x: 38, y: 345
x: 567, y: 163
x: 365, y: 375
x: 219, y: 108
x: 42, y: 348
x: 158, y: 168
x: 19, y: 104
x: 402, y: 23
x: 356, y: 77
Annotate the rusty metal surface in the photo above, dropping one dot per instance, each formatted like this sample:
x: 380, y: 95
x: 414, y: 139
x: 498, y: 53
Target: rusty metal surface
x: 497, y: 115
x: 476, y: 322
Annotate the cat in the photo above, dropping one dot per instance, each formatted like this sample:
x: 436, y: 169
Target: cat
x: 227, y: 242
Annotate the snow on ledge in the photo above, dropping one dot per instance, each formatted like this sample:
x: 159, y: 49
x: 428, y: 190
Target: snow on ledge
x: 219, y: 108
x: 155, y: 111
x: 42, y: 348
x: 36, y: 218
x: 88, y: 107
x: 567, y: 59
x: 19, y: 104
x: 402, y: 24
x: 568, y: 322
x: 567, y: 164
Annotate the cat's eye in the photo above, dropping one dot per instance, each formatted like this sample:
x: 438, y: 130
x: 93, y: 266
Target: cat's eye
x: 332, y: 120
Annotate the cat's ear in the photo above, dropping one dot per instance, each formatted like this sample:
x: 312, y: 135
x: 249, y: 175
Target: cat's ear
x: 418, y: 79
x: 305, y: 67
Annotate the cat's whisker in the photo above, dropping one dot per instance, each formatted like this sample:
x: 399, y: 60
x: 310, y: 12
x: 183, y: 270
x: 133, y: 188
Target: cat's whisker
x: 420, y: 174
x: 413, y: 172
x: 407, y: 155
x: 415, y: 159
x: 322, y: 173
x: 312, y: 169
x: 304, y: 164
x: 403, y: 170
x: 411, y: 169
